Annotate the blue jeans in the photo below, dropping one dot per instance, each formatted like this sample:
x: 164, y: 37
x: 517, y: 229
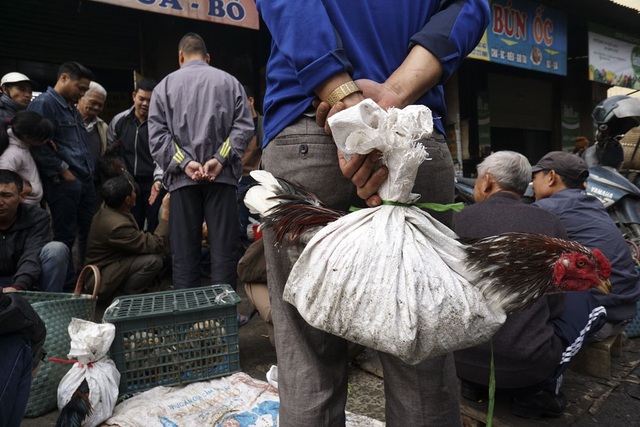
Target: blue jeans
x: 54, y: 262
x: 71, y: 205
x: 15, y: 378
x: 54, y: 259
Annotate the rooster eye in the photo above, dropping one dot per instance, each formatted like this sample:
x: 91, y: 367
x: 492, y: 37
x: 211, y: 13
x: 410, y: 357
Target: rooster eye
x: 580, y: 263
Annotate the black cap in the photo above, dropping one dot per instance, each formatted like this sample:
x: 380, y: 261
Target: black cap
x: 566, y: 165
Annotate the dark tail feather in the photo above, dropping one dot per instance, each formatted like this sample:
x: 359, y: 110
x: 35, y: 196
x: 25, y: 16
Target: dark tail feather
x: 299, y: 211
x: 292, y: 219
x: 78, y: 408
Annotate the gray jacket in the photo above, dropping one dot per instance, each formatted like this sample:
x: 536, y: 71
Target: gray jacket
x: 199, y: 112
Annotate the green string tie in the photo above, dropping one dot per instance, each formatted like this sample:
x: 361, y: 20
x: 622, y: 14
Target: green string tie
x: 438, y: 207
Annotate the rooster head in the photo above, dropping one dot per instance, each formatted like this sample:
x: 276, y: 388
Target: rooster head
x: 579, y: 271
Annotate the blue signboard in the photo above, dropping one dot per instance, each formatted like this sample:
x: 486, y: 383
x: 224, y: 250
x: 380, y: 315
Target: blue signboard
x: 525, y: 34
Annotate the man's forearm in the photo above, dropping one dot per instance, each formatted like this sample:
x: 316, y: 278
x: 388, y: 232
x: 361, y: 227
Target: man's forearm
x: 418, y: 73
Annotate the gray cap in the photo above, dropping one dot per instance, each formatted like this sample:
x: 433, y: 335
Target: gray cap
x: 566, y: 165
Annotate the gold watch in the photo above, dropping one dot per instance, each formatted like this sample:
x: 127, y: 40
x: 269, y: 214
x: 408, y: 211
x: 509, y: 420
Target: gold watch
x: 342, y: 91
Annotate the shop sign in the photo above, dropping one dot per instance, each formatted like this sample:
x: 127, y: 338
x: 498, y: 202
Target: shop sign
x: 614, y: 58
x: 242, y: 13
x: 525, y: 34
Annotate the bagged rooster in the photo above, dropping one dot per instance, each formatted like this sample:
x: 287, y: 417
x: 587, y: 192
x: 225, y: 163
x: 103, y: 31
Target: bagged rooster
x: 88, y: 393
x: 392, y: 277
x: 388, y: 277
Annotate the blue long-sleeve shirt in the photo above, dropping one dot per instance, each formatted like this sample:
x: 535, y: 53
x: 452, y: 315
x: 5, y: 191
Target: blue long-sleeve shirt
x: 314, y: 40
x: 587, y: 221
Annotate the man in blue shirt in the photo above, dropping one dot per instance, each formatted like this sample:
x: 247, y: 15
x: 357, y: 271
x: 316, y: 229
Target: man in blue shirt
x: 66, y: 167
x: 558, y: 183
x: 335, y: 54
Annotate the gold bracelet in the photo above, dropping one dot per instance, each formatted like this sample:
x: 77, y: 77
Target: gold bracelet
x: 342, y: 91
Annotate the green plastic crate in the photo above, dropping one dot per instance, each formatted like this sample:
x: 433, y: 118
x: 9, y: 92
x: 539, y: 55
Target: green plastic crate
x: 174, y: 337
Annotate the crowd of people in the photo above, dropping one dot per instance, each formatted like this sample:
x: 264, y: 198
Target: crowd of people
x: 133, y: 195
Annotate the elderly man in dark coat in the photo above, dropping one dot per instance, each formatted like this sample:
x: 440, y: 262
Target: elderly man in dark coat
x: 129, y: 259
x: 533, y: 347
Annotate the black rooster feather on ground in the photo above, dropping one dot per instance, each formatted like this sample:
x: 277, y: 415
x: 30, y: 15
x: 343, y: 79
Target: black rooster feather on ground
x: 78, y: 408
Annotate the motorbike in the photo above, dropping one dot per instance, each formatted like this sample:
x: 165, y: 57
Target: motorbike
x: 621, y: 199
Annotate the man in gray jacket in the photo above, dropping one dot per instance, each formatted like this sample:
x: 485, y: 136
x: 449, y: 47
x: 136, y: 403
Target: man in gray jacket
x: 199, y: 126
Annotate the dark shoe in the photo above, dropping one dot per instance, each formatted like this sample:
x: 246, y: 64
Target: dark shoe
x: 474, y: 392
x: 538, y: 405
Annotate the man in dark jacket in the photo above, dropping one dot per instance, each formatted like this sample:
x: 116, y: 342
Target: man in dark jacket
x: 67, y: 171
x: 532, y: 348
x: 129, y: 259
x: 29, y: 260
x: 558, y: 184
x: 128, y: 138
x: 22, y: 335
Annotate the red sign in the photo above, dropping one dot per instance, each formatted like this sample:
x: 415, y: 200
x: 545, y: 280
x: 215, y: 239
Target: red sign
x: 241, y: 13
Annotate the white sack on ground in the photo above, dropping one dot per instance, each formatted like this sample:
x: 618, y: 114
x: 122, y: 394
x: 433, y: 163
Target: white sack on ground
x: 90, y: 343
x: 388, y: 277
x: 236, y: 400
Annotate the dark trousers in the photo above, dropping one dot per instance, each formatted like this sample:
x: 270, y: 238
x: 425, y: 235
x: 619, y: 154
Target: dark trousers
x: 244, y: 213
x: 582, y: 317
x: 142, y: 211
x: 72, y: 206
x: 16, y: 361
x: 188, y: 207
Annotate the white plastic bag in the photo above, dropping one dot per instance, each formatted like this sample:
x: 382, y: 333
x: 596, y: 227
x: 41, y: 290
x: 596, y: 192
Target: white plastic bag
x: 389, y: 277
x: 90, y: 343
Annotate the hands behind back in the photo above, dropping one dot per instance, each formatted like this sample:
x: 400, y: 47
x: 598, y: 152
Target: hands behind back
x: 363, y: 170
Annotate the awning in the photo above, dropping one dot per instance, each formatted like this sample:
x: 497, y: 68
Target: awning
x: 631, y: 4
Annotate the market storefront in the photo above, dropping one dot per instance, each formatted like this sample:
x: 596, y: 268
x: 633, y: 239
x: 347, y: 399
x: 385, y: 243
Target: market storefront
x: 121, y: 40
x: 531, y: 83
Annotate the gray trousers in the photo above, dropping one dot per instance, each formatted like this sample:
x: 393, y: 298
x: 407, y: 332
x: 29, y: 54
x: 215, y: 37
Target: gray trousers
x: 312, y: 364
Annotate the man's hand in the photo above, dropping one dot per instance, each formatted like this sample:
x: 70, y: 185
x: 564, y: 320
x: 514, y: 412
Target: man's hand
x: 164, y: 209
x: 9, y: 289
x: 324, y: 110
x: 382, y: 93
x: 212, y: 169
x: 194, y: 170
x: 366, y: 174
x: 155, y: 190
x: 68, y: 175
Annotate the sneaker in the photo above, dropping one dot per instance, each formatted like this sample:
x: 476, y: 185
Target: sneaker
x: 473, y: 391
x: 538, y: 405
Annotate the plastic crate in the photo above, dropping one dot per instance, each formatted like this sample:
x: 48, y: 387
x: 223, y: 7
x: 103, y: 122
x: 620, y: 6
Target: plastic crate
x: 174, y: 337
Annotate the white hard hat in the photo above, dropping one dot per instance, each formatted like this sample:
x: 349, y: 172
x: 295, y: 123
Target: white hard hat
x: 15, y: 77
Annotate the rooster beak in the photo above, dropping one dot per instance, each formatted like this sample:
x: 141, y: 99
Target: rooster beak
x: 605, y: 287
